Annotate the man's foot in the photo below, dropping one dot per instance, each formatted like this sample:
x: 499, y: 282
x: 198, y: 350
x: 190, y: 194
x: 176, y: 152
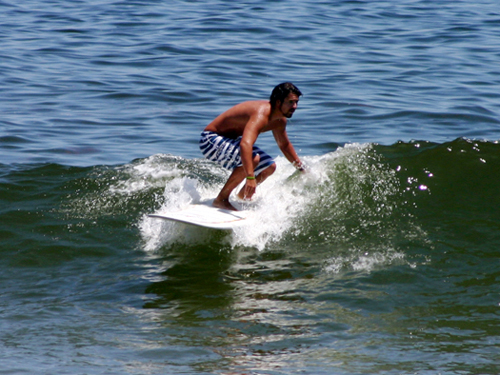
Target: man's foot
x: 224, y: 204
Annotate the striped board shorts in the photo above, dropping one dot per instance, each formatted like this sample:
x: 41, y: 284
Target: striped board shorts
x: 226, y: 151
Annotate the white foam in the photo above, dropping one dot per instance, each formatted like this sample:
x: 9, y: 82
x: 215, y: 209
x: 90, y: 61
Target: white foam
x: 150, y: 172
x: 288, y: 204
x: 362, y: 261
x: 274, y: 208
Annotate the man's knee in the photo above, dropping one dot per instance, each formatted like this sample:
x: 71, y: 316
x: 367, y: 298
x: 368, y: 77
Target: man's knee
x: 270, y: 170
x: 256, y: 160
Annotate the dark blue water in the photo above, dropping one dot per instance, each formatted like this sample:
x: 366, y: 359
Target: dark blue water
x: 382, y: 260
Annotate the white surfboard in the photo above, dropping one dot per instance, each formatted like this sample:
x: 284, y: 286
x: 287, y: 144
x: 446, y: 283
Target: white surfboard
x: 206, y: 216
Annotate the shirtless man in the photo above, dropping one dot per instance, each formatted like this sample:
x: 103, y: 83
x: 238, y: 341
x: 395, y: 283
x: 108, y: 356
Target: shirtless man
x: 229, y: 140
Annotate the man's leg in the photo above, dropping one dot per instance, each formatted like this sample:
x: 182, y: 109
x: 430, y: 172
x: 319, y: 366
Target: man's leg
x: 262, y: 175
x: 238, y: 175
x: 222, y: 200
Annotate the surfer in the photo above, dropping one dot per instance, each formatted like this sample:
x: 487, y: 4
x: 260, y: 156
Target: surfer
x: 229, y: 140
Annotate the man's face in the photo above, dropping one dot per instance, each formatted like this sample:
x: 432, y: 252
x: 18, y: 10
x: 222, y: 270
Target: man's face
x: 289, y: 105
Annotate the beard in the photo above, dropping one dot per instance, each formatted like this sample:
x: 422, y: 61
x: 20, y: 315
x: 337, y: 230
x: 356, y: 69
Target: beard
x: 289, y: 114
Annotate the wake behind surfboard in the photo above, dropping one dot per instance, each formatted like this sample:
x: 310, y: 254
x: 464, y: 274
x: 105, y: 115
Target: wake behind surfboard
x: 206, y: 216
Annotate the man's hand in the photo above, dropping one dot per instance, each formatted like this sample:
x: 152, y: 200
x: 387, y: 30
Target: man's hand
x: 249, y: 189
x: 299, y: 166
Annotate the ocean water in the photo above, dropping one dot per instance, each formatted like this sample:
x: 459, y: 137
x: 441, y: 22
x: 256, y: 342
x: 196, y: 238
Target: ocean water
x: 383, y: 259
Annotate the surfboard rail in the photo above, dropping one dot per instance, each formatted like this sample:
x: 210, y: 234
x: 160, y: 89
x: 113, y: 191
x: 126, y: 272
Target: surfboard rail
x: 206, y: 216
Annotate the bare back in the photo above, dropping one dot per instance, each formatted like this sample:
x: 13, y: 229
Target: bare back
x: 232, y: 123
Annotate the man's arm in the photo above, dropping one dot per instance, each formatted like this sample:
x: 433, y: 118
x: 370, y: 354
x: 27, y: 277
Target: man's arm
x: 246, y: 145
x: 250, y: 134
x: 286, y: 147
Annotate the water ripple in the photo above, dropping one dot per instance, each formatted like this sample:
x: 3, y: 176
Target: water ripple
x: 159, y: 65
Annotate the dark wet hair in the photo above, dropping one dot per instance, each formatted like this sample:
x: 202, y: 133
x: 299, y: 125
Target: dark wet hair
x: 281, y: 91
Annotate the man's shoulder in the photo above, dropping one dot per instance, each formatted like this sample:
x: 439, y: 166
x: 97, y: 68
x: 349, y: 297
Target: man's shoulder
x: 255, y: 104
x: 251, y: 108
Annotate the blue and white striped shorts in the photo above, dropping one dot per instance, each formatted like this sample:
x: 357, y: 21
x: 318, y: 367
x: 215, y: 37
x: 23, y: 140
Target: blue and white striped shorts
x: 226, y: 151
